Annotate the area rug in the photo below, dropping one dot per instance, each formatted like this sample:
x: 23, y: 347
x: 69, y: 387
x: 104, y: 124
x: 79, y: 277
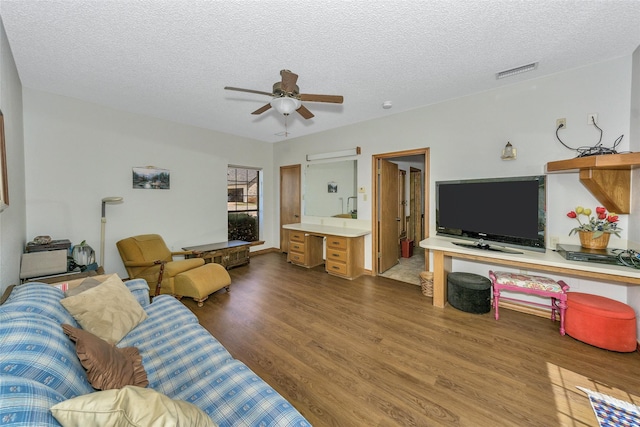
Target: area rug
x: 612, y: 412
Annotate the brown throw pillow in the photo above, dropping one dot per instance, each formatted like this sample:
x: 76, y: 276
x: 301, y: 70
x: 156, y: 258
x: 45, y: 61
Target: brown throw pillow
x: 107, y: 366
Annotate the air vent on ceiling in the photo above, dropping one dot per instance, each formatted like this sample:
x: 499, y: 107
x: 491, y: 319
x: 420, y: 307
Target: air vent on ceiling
x: 517, y: 70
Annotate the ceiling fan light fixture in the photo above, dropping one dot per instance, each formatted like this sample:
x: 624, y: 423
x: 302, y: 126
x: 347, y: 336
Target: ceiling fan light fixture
x: 285, y: 105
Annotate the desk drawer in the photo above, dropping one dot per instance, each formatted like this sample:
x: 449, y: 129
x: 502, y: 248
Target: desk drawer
x: 296, y: 236
x: 296, y: 258
x: 296, y: 246
x: 336, y: 255
x: 337, y: 242
x: 336, y: 267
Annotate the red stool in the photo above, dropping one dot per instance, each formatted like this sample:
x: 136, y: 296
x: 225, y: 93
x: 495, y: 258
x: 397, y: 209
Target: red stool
x: 601, y: 322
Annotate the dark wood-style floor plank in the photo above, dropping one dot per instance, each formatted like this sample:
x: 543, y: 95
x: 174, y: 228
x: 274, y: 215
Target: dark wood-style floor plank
x: 375, y: 352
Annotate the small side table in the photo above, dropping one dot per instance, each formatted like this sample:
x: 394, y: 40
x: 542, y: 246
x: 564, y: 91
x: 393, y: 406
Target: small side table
x: 229, y: 254
x: 65, y: 277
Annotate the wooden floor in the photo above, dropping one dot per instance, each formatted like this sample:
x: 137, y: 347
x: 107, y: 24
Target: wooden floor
x: 375, y: 352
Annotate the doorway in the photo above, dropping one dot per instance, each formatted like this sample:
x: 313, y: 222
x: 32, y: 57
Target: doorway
x: 389, y: 223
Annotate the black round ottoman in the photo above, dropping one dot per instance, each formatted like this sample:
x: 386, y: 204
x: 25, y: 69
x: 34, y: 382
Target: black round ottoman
x: 469, y: 292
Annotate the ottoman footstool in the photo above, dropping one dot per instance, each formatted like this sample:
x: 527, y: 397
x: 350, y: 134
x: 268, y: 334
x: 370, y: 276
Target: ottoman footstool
x: 201, y: 282
x: 469, y: 292
x: 601, y: 322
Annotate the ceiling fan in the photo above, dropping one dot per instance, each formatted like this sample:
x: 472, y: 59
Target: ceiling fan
x: 287, y: 97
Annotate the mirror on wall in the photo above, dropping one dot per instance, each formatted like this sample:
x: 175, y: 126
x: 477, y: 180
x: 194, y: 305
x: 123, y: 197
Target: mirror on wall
x: 331, y: 189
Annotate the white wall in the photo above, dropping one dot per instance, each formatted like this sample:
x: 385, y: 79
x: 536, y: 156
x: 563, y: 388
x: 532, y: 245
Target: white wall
x: 466, y: 137
x: 12, y: 219
x: 77, y: 153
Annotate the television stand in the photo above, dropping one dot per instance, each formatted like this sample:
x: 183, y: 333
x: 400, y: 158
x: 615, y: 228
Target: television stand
x: 486, y: 247
x: 549, y: 262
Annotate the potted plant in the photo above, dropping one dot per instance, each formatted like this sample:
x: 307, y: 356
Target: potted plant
x: 595, y: 231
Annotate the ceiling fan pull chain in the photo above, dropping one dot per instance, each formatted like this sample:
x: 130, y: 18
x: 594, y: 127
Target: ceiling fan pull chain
x: 286, y: 129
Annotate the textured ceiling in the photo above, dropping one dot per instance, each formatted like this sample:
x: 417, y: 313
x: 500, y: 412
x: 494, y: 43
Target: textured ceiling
x: 172, y: 59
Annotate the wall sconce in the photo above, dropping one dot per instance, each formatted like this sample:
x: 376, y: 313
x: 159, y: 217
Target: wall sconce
x: 508, y: 152
x: 334, y: 154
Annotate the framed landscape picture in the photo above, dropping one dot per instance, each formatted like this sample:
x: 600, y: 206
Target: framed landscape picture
x: 151, y: 178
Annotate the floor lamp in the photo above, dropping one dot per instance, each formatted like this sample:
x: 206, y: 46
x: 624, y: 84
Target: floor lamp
x: 106, y: 200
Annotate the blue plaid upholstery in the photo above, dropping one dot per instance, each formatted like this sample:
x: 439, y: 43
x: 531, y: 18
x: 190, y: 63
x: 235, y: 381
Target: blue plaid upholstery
x: 40, y: 299
x: 235, y: 396
x: 184, y: 361
x: 140, y: 290
x: 39, y: 366
x: 175, y: 349
x: 36, y: 348
x: 26, y: 402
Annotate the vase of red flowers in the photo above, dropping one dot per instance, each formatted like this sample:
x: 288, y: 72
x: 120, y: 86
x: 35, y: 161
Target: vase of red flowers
x: 596, y: 230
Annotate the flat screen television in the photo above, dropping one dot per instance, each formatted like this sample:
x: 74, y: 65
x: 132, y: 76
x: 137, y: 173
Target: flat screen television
x: 508, y: 212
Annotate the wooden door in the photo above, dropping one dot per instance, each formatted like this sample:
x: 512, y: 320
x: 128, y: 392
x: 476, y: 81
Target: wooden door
x: 388, y: 243
x: 289, y: 201
x: 402, y: 204
x: 415, y: 205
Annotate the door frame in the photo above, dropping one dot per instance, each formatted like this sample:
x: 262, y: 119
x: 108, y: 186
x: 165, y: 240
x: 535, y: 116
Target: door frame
x: 374, y: 201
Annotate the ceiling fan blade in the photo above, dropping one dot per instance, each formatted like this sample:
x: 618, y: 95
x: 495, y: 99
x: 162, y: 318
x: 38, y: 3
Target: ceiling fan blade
x: 262, y: 109
x: 239, y: 89
x: 289, y: 80
x: 336, y: 99
x: 304, y: 112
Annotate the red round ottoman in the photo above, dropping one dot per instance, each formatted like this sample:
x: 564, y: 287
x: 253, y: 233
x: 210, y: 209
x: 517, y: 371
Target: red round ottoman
x: 601, y: 322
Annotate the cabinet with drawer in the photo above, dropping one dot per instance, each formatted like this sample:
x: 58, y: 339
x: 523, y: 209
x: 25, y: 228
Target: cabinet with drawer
x: 305, y: 249
x: 345, y: 256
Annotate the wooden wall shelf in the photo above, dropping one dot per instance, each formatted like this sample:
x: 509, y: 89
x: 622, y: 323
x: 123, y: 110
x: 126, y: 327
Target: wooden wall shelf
x: 607, y: 177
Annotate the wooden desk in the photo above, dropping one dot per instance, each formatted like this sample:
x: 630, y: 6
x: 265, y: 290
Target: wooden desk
x: 228, y: 254
x: 344, y: 248
x: 444, y: 251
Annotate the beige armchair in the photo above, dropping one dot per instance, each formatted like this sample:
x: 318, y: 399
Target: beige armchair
x: 148, y: 257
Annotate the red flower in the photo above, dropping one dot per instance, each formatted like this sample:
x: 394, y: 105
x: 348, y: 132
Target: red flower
x: 602, y: 215
x: 600, y: 210
x: 572, y: 214
x: 612, y: 218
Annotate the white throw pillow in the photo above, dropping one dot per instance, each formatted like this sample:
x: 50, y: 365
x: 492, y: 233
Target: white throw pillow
x: 108, y: 311
x: 129, y: 406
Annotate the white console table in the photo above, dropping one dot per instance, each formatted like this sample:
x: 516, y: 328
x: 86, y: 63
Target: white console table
x: 444, y: 251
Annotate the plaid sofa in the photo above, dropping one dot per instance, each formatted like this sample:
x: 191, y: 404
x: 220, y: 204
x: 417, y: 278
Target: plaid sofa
x: 39, y: 366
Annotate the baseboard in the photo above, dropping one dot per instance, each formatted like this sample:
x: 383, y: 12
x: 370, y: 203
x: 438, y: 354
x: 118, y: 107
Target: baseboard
x: 263, y: 251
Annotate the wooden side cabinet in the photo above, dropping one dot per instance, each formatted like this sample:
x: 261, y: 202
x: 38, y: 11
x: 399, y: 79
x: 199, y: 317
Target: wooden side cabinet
x: 305, y: 249
x: 228, y: 254
x: 345, y: 256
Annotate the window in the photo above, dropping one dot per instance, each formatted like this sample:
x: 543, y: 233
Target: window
x: 243, y: 203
